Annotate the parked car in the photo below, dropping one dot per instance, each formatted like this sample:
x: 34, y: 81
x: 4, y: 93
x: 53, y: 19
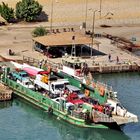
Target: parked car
x: 52, y: 53
x: 39, y: 48
x: 73, y: 89
x: 21, y: 75
x: 58, y: 100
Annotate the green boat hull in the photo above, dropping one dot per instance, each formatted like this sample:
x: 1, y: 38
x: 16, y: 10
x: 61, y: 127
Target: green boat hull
x: 45, y: 103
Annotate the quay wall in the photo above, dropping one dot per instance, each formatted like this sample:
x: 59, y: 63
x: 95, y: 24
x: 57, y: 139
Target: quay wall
x: 93, y: 68
x: 115, y: 68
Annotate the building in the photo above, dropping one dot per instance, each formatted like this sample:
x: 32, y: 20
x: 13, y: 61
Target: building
x: 58, y: 44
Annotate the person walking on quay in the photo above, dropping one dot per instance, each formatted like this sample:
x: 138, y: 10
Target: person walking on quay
x: 109, y: 57
x: 117, y: 59
x: 41, y: 63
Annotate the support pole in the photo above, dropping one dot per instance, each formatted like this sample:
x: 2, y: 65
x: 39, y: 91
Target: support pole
x: 100, y: 9
x: 51, y: 22
x: 86, y: 15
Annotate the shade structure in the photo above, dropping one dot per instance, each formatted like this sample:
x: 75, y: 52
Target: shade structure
x: 64, y: 39
x: 30, y: 71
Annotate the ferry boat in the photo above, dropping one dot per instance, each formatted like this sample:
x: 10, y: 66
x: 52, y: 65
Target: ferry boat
x: 84, y: 112
x: 77, y: 72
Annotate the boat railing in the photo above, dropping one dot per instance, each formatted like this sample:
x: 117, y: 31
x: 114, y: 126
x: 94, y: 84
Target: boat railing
x: 107, y: 87
x: 35, y: 62
x: 30, y: 60
x: 109, y: 90
x: 53, y: 65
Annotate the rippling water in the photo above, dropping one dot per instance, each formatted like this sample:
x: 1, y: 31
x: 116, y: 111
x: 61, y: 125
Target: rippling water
x: 22, y: 121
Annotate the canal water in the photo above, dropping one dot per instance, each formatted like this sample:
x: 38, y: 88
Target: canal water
x: 20, y: 120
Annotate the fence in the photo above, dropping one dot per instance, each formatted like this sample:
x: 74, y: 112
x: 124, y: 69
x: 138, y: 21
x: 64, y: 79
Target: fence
x: 35, y: 62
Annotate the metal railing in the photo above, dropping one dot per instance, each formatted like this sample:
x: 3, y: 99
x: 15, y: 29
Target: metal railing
x: 35, y: 62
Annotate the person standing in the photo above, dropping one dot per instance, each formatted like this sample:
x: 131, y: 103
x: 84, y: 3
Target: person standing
x: 40, y: 64
x: 109, y: 57
x: 117, y: 59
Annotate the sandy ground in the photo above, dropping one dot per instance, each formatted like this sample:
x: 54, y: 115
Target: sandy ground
x: 125, y: 22
x: 74, y: 11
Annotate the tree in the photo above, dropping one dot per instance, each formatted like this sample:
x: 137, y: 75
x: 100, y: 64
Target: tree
x: 28, y: 10
x: 39, y: 31
x: 6, y: 12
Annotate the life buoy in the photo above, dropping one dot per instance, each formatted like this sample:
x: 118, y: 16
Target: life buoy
x: 102, y: 91
x: 87, y: 93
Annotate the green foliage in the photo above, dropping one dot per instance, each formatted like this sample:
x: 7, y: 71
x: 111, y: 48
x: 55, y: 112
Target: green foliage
x: 6, y: 12
x: 28, y: 10
x: 39, y: 31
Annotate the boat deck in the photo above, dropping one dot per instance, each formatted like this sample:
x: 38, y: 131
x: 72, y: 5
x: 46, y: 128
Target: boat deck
x: 124, y: 120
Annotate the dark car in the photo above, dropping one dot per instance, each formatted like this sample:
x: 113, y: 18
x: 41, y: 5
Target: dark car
x: 54, y: 53
x: 39, y: 48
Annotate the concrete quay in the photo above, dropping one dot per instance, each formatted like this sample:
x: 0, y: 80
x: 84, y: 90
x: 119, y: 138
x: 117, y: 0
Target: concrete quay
x: 120, y: 60
x: 127, y: 61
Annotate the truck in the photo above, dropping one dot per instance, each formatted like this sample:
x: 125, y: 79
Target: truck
x: 18, y: 75
x: 22, y: 78
x: 53, y: 87
x: 26, y: 83
x: 73, y: 98
x: 63, y: 101
x: 75, y: 89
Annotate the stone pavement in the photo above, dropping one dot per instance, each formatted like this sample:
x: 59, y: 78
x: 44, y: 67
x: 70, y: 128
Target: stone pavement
x: 105, y: 47
x: 108, y: 48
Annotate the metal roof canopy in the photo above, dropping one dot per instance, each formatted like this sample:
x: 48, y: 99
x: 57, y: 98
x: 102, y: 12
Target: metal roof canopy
x: 72, y: 88
x: 64, y: 38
